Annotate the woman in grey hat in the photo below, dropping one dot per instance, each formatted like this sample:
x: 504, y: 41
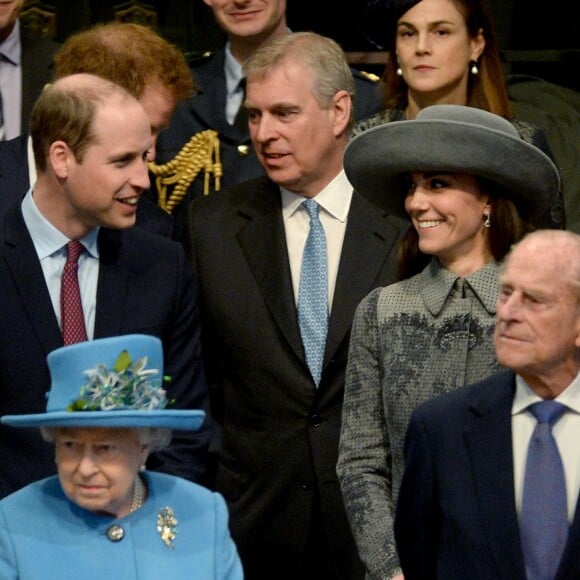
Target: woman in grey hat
x: 103, y: 516
x: 469, y: 185
x: 444, y: 51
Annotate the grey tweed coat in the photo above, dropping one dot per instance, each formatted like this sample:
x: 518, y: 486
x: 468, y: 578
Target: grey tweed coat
x: 410, y: 342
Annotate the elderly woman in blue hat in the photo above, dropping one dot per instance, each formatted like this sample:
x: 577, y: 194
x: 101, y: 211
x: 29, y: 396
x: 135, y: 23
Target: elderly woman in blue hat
x: 469, y: 185
x: 103, y: 516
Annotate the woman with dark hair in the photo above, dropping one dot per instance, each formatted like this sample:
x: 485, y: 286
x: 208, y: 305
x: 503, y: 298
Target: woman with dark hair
x: 470, y: 186
x: 444, y: 52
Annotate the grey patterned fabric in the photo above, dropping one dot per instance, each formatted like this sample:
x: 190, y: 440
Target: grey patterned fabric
x: 410, y: 342
x: 555, y: 217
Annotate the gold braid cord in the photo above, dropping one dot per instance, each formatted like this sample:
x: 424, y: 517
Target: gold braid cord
x: 202, y: 151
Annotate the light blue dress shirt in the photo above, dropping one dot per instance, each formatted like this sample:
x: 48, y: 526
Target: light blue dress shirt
x: 50, y: 246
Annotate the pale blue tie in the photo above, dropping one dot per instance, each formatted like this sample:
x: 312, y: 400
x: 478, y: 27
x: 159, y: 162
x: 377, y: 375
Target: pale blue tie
x: 313, y: 293
x: 544, y: 516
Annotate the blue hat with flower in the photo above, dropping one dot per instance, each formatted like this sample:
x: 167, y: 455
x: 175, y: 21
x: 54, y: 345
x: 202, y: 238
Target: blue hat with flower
x: 109, y: 382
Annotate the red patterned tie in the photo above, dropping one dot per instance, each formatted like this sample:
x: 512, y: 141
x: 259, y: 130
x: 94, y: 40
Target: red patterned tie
x: 71, y: 308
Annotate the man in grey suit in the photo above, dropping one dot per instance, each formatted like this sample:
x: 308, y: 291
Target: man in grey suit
x: 91, y: 140
x: 280, y: 417
x: 476, y: 495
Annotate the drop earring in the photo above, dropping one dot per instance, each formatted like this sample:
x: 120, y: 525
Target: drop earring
x: 399, y: 71
x: 487, y: 222
x: 474, y: 69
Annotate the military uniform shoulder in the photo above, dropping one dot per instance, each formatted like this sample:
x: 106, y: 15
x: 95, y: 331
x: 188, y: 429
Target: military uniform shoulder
x: 195, y: 59
x: 365, y: 75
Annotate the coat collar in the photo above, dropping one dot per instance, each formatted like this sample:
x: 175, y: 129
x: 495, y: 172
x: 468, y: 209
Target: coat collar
x: 437, y: 283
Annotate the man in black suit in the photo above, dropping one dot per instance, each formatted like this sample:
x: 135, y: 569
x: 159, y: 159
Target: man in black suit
x: 25, y: 67
x: 142, y: 62
x: 280, y: 420
x: 469, y: 484
x: 219, y: 96
x: 91, y: 140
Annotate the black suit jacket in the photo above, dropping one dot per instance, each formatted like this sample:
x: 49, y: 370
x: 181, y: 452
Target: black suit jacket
x: 15, y: 181
x: 145, y: 286
x: 205, y: 110
x: 280, y: 433
x: 456, y: 516
x: 37, y: 70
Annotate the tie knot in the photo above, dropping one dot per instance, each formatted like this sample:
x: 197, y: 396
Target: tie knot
x: 547, y: 411
x: 73, y: 250
x: 311, y: 207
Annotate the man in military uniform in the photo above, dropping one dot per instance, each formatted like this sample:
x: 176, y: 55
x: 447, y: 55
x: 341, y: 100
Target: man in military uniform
x: 221, y: 154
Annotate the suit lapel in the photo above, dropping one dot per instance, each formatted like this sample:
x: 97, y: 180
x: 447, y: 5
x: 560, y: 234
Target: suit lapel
x: 27, y: 275
x: 113, y: 284
x: 263, y: 242
x: 489, y: 444
x: 370, y: 234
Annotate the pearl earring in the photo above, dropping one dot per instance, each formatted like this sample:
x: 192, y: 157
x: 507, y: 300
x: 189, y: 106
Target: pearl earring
x: 474, y: 68
x: 399, y: 72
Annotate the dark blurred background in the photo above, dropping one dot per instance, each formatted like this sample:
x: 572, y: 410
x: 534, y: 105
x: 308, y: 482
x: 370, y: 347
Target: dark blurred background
x: 536, y: 38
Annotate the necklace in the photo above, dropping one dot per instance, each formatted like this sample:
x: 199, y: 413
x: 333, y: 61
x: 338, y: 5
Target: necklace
x: 138, y: 495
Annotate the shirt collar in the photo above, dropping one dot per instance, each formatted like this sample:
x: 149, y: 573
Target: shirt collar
x: 525, y: 396
x: 232, y: 70
x: 335, y: 199
x: 46, y: 238
x: 438, y: 282
x: 11, y: 48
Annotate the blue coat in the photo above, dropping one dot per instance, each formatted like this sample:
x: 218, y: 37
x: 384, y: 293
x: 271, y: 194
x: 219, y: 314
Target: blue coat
x: 45, y: 536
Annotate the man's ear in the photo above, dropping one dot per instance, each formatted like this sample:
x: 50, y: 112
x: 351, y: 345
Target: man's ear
x: 59, y: 158
x: 342, y: 107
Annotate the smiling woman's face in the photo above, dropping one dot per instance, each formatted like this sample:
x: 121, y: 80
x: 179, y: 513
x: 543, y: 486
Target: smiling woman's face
x: 97, y: 467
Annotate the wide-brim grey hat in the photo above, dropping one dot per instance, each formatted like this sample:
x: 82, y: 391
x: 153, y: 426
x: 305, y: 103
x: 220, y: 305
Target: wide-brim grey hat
x: 109, y: 382
x: 454, y: 139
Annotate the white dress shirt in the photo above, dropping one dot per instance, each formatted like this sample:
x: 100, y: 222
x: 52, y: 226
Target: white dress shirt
x: 334, y: 201
x: 566, y: 432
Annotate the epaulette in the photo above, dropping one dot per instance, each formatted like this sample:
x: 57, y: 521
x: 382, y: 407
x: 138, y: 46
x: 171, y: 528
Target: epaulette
x: 368, y: 76
x: 197, y: 58
x: 202, y: 151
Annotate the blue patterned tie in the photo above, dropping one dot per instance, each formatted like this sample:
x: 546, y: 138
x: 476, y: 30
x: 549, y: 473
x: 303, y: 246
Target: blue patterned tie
x: 313, y: 293
x: 544, y: 516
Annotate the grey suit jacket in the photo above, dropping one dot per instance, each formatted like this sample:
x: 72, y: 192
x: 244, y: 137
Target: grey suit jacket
x: 280, y: 433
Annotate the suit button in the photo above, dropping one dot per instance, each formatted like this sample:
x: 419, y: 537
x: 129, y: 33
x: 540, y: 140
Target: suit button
x: 306, y: 485
x: 315, y: 420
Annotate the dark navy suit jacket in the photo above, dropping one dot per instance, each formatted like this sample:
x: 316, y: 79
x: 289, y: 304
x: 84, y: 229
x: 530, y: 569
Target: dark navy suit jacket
x: 277, y: 461
x: 145, y: 286
x: 456, y: 516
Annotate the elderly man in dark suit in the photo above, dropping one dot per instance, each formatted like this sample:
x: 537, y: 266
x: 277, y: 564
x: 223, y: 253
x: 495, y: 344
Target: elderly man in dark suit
x: 276, y: 366
x: 492, y: 474
x: 91, y: 140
